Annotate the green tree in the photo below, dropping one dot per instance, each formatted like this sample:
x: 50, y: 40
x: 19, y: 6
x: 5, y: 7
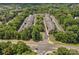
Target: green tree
x: 65, y: 51
x: 68, y: 37
x: 62, y: 51
x: 26, y: 34
x: 7, y: 51
x: 21, y: 48
x: 72, y: 37
x: 36, y: 36
x: 73, y: 28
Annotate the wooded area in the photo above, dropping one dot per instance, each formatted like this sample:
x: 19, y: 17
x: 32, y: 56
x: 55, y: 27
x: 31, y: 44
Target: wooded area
x: 32, y: 19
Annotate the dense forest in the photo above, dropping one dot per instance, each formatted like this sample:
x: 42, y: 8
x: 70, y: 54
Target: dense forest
x: 12, y: 17
x: 8, y: 48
